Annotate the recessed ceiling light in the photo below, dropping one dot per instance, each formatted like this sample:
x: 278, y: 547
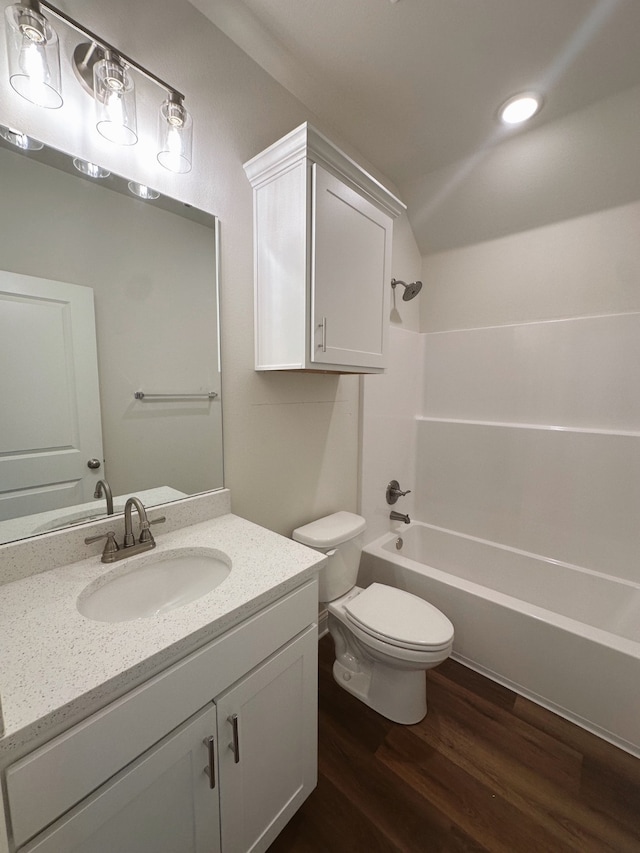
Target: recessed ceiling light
x: 520, y: 108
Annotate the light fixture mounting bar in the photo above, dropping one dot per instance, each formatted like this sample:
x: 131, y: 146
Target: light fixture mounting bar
x: 106, y: 46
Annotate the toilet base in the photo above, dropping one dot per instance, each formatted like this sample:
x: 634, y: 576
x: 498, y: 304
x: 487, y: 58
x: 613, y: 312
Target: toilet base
x: 399, y: 695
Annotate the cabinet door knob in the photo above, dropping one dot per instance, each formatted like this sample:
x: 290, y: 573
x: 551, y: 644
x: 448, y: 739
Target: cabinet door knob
x: 235, y: 743
x: 210, y: 769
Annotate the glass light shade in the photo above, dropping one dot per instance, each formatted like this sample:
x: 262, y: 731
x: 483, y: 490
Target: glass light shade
x: 33, y: 53
x: 91, y: 170
x: 115, y: 99
x: 175, y: 135
x: 143, y: 191
x: 20, y: 139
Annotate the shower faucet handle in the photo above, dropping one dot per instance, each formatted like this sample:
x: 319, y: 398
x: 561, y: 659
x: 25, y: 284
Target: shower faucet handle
x: 394, y: 492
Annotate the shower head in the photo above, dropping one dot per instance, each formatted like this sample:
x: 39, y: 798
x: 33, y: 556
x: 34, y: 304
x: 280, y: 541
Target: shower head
x: 410, y: 290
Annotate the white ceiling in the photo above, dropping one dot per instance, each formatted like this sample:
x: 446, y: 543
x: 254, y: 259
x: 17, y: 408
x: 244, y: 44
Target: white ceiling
x: 414, y: 85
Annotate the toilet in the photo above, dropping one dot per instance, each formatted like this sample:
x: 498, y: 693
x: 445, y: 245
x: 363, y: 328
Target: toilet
x: 385, y: 638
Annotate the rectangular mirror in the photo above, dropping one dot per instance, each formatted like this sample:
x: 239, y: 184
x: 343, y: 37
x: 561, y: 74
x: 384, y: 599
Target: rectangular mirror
x: 109, y: 346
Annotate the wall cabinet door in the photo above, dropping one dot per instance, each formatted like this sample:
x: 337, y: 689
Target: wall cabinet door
x: 162, y: 803
x: 267, y: 741
x: 351, y: 278
x: 323, y: 235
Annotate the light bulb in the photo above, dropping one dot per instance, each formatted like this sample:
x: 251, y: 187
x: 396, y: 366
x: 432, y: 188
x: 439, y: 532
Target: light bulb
x: 34, y: 62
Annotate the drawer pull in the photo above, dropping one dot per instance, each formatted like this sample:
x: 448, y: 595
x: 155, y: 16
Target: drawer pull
x: 210, y: 769
x: 235, y: 743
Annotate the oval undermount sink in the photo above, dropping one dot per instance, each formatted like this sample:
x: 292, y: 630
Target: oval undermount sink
x: 154, y: 585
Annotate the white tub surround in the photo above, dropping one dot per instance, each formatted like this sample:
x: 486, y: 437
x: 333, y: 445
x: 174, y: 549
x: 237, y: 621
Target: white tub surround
x: 58, y: 667
x: 563, y: 636
x: 529, y: 436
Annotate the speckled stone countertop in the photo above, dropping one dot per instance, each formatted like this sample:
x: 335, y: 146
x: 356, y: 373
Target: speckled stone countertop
x: 58, y: 667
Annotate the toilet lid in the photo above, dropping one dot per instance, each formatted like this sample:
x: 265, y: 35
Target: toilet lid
x: 399, y: 618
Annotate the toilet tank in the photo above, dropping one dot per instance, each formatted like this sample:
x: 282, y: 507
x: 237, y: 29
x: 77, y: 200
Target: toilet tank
x: 339, y: 536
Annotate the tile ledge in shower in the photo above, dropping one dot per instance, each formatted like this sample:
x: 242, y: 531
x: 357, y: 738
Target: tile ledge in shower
x: 544, y: 427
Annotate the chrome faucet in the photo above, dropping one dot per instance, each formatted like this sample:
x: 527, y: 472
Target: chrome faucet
x: 112, y: 551
x: 399, y: 516
x: 103, y: 488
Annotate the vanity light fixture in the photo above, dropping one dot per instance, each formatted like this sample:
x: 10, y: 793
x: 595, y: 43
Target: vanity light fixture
x: 520, y: 108
x: 143, y: 191
x: 91, y: 170
x: 104, y: 72
x: 20, y: 140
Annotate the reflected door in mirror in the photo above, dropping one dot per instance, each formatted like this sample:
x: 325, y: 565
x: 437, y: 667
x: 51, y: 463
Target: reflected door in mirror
x: 50, y: 421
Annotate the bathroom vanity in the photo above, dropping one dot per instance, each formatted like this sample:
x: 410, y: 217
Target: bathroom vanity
x: 322, y: 233
x: 190, y: 730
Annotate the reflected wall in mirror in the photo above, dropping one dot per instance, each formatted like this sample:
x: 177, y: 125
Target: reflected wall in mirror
x: 102, y: 295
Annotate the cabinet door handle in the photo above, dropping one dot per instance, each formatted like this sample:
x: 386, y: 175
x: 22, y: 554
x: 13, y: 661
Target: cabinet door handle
x: 323, y: 326
x: 210, y: 769
x: 235, y: 743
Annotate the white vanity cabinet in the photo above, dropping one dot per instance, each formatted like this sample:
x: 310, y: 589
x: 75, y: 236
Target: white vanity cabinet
x: 214, y: 754
x: 159, y: 804
x: 322, y: 244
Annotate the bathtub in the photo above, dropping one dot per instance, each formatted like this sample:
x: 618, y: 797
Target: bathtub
x: 565, y: 637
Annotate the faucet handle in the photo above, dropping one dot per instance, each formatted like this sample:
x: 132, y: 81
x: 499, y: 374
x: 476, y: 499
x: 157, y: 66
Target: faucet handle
x: 394, y: 492
x: 110, y: 547
x: 145, y: 533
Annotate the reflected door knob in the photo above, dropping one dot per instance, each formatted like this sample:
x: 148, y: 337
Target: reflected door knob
x: 93, y: 464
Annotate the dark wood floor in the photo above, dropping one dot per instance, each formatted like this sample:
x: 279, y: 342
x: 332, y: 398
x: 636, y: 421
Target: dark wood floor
x: 486, y: 770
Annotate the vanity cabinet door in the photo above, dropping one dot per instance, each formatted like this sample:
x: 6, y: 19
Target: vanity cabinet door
x: 267, y: 736
x: 161, y: 803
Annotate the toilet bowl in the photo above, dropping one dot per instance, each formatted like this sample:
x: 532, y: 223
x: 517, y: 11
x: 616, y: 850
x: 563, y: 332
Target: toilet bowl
x: 385, y: 638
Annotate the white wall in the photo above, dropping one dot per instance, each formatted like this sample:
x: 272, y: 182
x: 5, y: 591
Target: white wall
x: 530, y: 427
x: 291, y: 442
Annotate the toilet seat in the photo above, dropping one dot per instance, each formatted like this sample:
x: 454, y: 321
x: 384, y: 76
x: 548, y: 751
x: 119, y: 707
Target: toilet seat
x: 399, y: 618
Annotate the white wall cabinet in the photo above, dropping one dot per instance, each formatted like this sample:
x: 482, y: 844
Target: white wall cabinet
x: 323, y: 235
x: 226, y: 779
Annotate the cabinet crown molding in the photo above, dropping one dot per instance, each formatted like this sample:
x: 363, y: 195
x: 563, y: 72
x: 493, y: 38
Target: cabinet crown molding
x: 305, y: 142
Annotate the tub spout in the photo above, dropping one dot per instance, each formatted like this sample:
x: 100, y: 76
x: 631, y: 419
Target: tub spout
x: 399, y: 516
